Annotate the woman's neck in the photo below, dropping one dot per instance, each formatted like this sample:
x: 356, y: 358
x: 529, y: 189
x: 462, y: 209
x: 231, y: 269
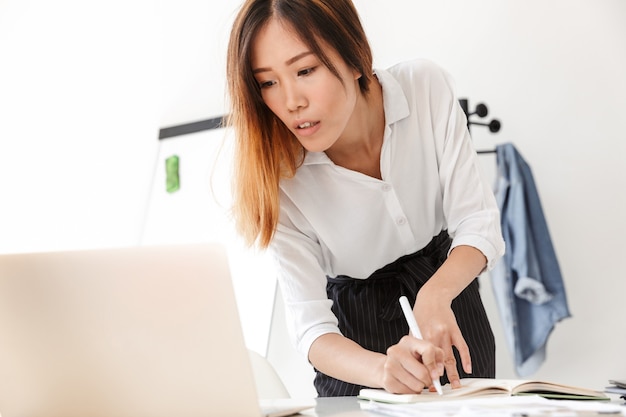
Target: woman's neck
x: 359, y: 147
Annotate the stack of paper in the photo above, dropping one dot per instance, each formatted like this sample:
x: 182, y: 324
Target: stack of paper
x: 495, y: 407
x: 618, y: 386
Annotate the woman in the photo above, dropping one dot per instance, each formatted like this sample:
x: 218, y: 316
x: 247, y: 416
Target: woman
x: 364, y: 185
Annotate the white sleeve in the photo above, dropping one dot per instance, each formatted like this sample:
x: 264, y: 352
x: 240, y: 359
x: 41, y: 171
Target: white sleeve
x: 470, y: 209
x: 302, y: 280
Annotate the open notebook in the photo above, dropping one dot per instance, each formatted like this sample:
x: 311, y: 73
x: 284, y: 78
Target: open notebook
x: 145, y: 331
x: 489, y: 387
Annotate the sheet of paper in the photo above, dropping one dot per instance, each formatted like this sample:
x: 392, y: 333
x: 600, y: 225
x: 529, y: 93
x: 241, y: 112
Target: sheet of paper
x: 495, y: 407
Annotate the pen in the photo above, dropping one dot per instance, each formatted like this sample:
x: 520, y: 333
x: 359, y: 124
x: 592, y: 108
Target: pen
x: 410, y: 319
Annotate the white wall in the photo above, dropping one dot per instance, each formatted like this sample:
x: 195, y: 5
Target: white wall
x: 79, y: 113
x: 84, y: 88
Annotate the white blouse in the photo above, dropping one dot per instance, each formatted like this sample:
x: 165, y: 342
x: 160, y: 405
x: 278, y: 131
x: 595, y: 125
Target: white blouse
x: 334, y: 221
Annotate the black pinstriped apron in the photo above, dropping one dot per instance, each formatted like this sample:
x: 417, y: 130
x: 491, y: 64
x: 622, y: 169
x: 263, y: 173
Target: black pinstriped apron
x: 369, y: 312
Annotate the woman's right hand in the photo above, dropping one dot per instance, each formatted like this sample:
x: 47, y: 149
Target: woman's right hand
x: 411, y: 365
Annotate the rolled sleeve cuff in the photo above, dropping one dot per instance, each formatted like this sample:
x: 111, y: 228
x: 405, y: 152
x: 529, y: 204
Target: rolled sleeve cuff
x: 491, y: 251
x: 312, y: 334
x: 309, y: 320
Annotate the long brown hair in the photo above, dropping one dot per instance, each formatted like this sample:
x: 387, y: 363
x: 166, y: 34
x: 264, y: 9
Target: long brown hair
x: 265, y: 149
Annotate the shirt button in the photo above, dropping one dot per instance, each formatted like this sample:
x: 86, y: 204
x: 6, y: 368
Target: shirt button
x: 386, y: 187
x: 401, y: 221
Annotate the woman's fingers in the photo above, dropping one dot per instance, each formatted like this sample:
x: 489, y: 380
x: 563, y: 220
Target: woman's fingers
x: 412, y: 365
x: 446, y: 334
x: 456, y: 340
x: 464, y: 353
x: 449, y: 362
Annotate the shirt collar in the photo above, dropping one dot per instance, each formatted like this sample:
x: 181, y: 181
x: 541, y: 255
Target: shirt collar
x: 394, y: 100
x: 395, y: 105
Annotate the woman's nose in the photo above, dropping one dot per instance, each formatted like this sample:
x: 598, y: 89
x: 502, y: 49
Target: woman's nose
x: 294, y: 98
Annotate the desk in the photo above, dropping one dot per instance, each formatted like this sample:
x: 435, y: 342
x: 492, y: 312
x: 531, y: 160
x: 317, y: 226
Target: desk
x: 338, y: 407
x: 350, y: 407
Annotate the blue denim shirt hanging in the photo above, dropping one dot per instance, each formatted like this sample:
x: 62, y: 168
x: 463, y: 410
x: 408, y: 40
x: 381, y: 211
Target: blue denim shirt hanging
x: 527, y: 281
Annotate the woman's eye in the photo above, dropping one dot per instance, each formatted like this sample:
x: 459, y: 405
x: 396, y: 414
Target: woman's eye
x: 306, y: 71
x: 265, y: 84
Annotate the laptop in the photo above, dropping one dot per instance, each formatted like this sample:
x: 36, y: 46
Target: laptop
x: 144, y: 331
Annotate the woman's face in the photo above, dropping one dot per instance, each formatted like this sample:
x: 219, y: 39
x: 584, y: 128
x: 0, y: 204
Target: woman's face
x: 309, y: 99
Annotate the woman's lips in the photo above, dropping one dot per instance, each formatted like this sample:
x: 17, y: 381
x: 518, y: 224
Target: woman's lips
x: 307, y: 128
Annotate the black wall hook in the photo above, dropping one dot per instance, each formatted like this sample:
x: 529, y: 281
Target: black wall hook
x: 481, y: 110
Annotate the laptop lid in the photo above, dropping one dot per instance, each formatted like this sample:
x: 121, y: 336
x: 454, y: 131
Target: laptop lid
x: 144, y: 331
